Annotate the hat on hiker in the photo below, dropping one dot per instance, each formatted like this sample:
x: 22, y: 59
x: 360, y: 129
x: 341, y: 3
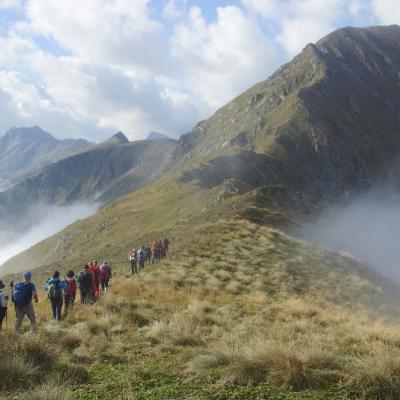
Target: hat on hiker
x: 27, y: 275
x: 2, y: 285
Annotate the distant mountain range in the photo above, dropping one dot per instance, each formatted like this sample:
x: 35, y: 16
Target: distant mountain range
x: 99, y: 173
x: 24, y: 150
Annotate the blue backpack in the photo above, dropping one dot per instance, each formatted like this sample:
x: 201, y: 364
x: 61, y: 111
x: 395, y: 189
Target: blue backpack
x: 22, y: 294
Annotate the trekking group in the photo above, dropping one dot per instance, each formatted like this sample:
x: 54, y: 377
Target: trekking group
x: 91, y: 282
x: 147, y: 255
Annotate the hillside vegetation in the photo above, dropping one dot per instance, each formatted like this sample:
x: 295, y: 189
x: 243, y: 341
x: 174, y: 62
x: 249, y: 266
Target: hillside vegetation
x: 243, y: 312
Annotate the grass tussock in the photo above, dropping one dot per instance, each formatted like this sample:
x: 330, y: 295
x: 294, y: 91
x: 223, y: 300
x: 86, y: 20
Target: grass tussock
x: 16, y: 372
x: 261, y: 362
x: 75, y: 374
x: 50, y: 392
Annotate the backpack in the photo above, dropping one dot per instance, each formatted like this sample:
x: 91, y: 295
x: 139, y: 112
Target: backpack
x: 85, y: 279
x: 71, y: 285
x: 54, y: 291
x: 22, y: 294
x: 3, y: 300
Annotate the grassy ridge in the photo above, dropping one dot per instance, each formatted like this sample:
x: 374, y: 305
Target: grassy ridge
x: 242, y: 312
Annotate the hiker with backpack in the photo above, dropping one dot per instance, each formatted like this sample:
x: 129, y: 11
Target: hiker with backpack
x: 105, y: 276
x: 70, y: 293
x: 85, y: 283
x: 55, y: 288
x: 3, y: 305
x: 22, y: 296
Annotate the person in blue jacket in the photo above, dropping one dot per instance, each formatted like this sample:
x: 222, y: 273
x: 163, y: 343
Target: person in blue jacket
x: 55, y: 288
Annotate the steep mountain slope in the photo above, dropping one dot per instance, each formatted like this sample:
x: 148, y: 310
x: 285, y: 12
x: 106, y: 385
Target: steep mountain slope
x: 23, y: 150
x: 325, y: 124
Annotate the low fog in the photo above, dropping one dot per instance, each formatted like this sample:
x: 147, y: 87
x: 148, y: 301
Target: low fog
x: 368, y: 227
x: 50, y: 221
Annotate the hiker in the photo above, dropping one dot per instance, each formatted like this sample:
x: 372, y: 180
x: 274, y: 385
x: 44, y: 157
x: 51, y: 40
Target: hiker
x: 93, y: 289
x: 96, y: 276
x: 165, y: 245
x: 105, y: 276
x: 133, y: 261
x: 55, y: 288
x: 70, y: 293
x: 3, y: 304
x: 154, y: 250
x: 22, y: 296
x: 85, y: 282
x: 148, y: 254
x: 141, y: 257
x: 160, y: 250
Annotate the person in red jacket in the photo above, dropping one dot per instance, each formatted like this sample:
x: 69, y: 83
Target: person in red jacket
x: 70, y: 293
x: 96, y: 275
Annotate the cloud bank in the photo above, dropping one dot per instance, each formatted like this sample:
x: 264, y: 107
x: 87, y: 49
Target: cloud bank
x: 368, y: 228
x: 51, y: 220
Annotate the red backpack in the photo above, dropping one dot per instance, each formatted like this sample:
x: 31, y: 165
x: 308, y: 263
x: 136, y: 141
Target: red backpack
x: 71, y: 285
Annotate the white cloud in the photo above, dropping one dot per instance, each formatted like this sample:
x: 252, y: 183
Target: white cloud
x: 118, y: 33
x: 174, y: 9
x: 7, y: 4
x: 299, y: 22
x: 223, y: 58
x: 387, y: 11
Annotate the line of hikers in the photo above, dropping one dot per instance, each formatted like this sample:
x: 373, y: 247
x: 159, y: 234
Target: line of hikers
x: 91, y: 282
x: 147, y: 255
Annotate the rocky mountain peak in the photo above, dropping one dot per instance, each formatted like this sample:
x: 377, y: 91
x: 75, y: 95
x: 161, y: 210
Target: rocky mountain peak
x: 118, y: 138
x: 32, y: 134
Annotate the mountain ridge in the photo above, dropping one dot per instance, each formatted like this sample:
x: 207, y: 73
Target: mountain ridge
x: 25, y: 150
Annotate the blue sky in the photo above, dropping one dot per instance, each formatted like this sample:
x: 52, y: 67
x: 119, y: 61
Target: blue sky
x: 90, y: 68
